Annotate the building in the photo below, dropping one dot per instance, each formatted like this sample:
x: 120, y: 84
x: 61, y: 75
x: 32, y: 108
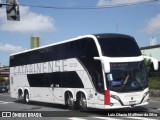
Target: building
x: 152, y: 51
x: 34, y: 42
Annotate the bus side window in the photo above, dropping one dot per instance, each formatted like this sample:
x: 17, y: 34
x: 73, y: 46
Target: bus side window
x: 56, y: 81
x: 71, y: 49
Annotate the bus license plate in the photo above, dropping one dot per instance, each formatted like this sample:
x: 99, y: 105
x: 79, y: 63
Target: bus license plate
x: 132, y: 102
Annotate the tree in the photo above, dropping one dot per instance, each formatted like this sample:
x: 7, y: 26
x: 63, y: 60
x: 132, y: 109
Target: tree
x: 2, y: 78
x: 148, y: 63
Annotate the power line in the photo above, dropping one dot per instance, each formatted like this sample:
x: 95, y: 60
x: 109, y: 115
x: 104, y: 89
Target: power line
x: 91, y: 7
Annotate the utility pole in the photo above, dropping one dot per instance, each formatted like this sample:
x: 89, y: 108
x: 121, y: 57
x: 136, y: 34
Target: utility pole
x: 0, y: 3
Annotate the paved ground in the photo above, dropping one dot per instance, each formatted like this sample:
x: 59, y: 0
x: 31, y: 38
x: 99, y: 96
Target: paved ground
x: 60, y: 112
x: 156, y: 99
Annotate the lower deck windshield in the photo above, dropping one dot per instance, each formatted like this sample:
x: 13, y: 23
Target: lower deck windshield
x: 126, y: 77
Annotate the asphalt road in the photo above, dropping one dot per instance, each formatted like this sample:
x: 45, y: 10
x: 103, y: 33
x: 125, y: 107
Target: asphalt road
x: 20, y: 111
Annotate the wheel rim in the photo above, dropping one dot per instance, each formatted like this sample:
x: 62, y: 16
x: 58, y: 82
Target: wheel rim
x: 27, y: 97
x: 20, y: 97
x: 70, y: 100
x: 83, y: 102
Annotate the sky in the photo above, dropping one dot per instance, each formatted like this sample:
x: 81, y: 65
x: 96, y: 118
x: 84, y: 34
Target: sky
x: 142, y: 21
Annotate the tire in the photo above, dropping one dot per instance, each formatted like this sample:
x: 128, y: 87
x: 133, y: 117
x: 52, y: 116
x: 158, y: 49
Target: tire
x: 82, y: 102
x: 26, y: 97
x: 70, y: 101
x: 20, y: 97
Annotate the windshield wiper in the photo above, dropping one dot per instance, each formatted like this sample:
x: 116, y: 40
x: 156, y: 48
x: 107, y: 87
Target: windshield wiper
x: 126, y: 79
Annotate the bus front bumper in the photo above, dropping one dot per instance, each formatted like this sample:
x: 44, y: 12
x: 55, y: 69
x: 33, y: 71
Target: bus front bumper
x: 114, y: 106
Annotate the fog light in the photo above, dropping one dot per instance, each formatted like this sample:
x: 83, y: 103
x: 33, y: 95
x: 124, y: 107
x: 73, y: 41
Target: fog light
x: 111, y: 104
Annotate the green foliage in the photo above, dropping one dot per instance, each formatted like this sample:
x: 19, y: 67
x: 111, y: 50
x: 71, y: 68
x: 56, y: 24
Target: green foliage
x: 154, y: 83
x: 6, y: 81
x: 2, y: 78
x: 148, y: 65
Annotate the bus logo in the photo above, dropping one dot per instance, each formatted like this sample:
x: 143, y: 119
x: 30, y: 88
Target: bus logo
x: 6, y: 114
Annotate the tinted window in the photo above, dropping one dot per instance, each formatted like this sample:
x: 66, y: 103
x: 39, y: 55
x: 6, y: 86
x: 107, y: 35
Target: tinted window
x: 126, y: 77
x: 86, y: 48
x: 119, y: 47
x: 43, y: 55
x: 18, y: 60
x: 74, y: 80
x: 72, y: 49
x: 60, y: 79
x: 79, y: 48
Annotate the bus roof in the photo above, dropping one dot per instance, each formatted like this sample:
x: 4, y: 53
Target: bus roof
x: 101, y: 35
x: 110, y: 35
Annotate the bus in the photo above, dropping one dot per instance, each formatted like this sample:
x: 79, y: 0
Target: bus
x: 102, y: 71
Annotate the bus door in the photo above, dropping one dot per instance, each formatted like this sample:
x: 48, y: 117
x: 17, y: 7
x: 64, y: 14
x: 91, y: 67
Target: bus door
x: 57, y: 87
x: 99, y: 87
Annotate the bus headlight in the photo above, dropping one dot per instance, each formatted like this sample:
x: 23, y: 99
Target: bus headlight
x: 145, y: 94
x: 115, y: 97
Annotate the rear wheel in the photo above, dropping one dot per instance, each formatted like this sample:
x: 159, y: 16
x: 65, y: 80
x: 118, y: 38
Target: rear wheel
x: 82, y: 102
x: 26, y: 97
x: 70, y: 101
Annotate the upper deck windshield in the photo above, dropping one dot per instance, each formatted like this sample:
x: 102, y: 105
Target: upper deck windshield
x: 125, y: 77
x: 119, y: 46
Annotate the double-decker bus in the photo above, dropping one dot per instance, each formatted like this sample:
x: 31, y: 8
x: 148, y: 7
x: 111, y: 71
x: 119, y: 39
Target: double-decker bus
x: 104, y: 71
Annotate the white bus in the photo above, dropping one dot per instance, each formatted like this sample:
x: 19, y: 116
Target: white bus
x: 104, y: 71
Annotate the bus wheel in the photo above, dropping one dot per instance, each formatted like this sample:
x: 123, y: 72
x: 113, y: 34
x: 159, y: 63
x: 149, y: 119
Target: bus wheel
x: 70, y: 101
x: 82, y: 102
x: 26, y: 97
x: 20, y: 96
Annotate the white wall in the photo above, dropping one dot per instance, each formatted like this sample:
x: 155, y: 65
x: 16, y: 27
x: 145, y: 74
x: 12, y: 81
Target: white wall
x: 154, y: 52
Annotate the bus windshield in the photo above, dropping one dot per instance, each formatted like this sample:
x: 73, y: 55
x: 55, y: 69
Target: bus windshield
x: 126, y: 77
x: 119, y: 47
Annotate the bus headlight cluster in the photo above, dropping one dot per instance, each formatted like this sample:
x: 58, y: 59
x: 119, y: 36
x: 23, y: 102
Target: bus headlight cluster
x: 145, y: 94
x: 115, y: 97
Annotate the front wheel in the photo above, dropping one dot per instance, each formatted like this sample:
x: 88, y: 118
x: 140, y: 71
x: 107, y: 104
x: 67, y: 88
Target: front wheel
x: 82, y: 102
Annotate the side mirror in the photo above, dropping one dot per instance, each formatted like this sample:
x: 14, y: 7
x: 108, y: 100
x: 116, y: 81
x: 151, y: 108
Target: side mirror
x: 155, y: 62
x: 105, y: 63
